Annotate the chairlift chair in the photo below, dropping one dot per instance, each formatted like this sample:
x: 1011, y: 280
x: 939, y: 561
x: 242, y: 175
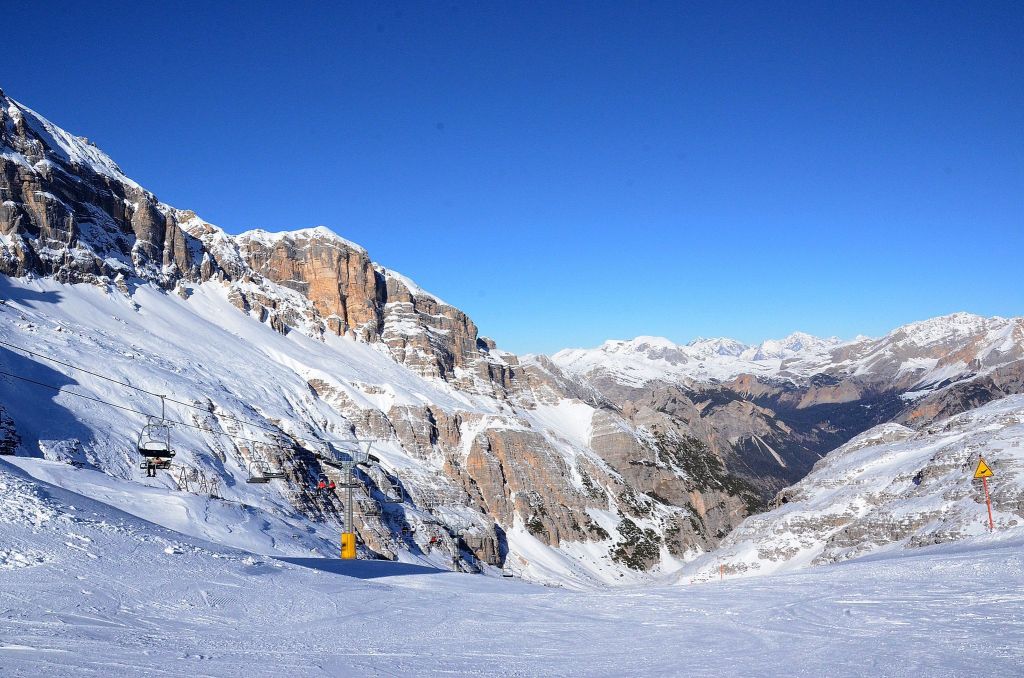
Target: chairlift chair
x: 273, y: 474
x: 394, y: 493
x: 155, y: 462
x: 257, y: 472
x: 154, y: 443
x: 367, y: 507
x: 155, y: 439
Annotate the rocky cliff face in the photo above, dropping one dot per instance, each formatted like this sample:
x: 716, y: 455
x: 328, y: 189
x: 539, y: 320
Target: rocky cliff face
x: 66, y: 210
x: 502, y: 456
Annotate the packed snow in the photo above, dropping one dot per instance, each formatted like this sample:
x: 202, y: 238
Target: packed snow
x: 99, y: 591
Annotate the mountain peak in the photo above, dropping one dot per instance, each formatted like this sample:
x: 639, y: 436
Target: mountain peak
x: 271, y: 238
x: 647, y: 340
x: 722, y: 346
x: 789, y: 346
x: 34, y: 139
x: 945, y: 328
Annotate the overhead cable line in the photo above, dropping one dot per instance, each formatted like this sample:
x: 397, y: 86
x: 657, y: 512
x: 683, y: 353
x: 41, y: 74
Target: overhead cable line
x: 61, y: 389
x: 247, y: 422
x: 80, y: 395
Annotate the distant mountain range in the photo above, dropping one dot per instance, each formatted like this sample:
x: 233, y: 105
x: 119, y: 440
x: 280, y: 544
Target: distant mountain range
x: 919, y: 355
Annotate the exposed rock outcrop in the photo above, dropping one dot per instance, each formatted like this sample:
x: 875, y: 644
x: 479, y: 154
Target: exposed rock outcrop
x: 9, y: 438
x: 67, y: 211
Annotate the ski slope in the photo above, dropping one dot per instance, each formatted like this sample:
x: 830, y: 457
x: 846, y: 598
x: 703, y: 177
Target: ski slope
x: 202, y: 351
x: 87, y: 589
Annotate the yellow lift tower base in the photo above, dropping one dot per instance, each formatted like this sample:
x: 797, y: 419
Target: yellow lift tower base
x: 348, y: 546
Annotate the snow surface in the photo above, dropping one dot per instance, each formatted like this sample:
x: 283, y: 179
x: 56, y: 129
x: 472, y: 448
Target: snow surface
x: 100, y: 592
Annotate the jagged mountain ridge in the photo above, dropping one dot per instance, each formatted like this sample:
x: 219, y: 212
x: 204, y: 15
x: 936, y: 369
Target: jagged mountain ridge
x: 549, y: 479
x: 918, y: 355
x: 770, y: 411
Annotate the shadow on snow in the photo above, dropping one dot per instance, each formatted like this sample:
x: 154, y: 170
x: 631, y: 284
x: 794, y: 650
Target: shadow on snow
x: 363, y: 569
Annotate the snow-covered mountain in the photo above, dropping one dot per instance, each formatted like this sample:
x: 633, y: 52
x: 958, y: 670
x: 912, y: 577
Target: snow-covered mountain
x: 770, y: 411
x: 273, y: 344
x: 610, y: 466
x: 919, y: 356
x: 638, y: 361
x: 891, y: 487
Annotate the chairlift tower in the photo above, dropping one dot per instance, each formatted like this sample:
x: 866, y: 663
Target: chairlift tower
x: 347, y: 468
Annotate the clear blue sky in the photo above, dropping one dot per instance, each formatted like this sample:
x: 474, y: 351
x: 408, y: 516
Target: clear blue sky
x: 571, y: 172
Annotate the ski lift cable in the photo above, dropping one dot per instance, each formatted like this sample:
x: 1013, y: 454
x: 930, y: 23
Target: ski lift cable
x: 80, y: 395
x: 61, y: 389
x: 162, y: 396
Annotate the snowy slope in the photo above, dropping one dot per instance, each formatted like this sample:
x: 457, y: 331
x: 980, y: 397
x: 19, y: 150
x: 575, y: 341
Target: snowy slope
x: 862, y: 497
x: 245, y: 378
x: 88, y: 590
x: 203, y: 351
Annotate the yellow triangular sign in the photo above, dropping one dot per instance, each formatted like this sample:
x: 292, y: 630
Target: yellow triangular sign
x: 983, y: 471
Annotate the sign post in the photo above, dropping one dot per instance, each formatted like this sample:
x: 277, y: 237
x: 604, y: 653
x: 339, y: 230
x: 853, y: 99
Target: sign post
x: 984, y: 472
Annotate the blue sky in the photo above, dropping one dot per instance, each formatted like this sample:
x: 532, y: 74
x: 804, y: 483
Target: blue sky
x: 571, y: 172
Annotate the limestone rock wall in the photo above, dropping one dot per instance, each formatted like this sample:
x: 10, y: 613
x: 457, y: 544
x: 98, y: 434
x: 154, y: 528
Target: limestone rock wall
x: 338, y: 278
x: 63, y: 218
